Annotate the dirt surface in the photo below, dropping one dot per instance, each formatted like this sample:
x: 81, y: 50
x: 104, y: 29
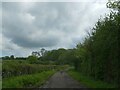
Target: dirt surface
x: 62, y: 80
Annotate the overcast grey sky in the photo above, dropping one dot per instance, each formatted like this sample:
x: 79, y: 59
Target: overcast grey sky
x: 29, y: 26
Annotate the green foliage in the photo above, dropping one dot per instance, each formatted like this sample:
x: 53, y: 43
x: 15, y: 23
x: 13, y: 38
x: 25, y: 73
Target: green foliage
x: 88, y: 81
x: 32, y: 59
x: 53, y: 56
x: 12, y: 57
x: 19, y: 74
x: 67, y: 57
x: 114, y: 4
x: 16, y: 68
x: 0, y: 84
x: 34, y: 80
x: 98, y: 54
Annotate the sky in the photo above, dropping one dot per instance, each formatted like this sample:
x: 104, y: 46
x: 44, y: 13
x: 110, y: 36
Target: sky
x: 28, y: 26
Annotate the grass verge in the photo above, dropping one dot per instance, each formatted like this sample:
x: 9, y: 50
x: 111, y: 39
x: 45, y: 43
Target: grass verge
x: 87, y: 81
x: 30, y: 81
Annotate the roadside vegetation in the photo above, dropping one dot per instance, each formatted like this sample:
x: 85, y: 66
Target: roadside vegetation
x: 25, y: 81
x: 26, y: 73
x: 17, y: 68
x: 88, y: 81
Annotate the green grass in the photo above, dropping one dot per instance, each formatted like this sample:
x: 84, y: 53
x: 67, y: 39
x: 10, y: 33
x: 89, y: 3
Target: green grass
x: 0, y: 84
x: 34, y: 80
x: 89, y: 82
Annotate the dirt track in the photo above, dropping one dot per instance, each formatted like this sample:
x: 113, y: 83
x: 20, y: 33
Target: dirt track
x: 62, y: 80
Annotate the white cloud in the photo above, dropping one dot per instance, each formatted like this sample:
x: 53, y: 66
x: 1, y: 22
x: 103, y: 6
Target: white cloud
x: 27, y: 18
x: 100, y: 1
x: 31, y: 26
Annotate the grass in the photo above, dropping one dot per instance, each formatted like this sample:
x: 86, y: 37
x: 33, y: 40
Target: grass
x: 30, y: 81
x: 0, y: 84
x: 89, y: 82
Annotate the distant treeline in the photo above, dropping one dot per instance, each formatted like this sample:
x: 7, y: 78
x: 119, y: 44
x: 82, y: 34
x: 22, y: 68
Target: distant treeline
x: 13, y: 58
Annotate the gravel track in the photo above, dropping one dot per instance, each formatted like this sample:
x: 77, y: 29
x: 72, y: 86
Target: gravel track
x: 62, y: 80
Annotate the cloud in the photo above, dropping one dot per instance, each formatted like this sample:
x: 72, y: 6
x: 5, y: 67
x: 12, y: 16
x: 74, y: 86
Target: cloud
x: 33, y: 25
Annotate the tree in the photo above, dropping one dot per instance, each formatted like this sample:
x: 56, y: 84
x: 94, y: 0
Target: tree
x: 6, y: 58
x: 32, y: 59
x: 99, y: 53
x: 12, y: 57
x: 42, y: 52
x: 37, y: 54
x: 114, y: 4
